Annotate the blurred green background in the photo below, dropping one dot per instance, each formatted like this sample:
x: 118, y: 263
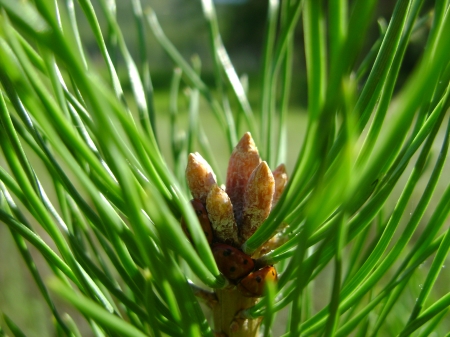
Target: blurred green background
x: 242, y: 26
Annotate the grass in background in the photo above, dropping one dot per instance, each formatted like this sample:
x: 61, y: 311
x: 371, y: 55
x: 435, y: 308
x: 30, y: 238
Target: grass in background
x: 109, y: 227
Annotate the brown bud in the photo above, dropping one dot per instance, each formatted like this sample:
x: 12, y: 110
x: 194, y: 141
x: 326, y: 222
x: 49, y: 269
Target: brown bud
x: 200, y: 176
x: 220, y: 212
x: 273, y: 243
x: 281, y: 179
x: 257, y: 200
x: 243, y: 160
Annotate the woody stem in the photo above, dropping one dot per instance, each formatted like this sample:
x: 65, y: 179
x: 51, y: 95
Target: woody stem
x: 225, y: 314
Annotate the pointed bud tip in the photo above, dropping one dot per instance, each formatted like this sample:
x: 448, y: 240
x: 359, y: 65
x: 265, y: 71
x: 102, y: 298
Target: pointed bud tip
x: 197, y: 159
x: 215, y: 189
x: 199, y: 176
x: 194, y: 156
x: 280, y: 169
x: 246, y: 142
x: 216, y: 193
x: 263, y: 169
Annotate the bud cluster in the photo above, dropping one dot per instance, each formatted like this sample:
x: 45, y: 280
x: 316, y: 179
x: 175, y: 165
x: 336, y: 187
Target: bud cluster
x: 231, y: 214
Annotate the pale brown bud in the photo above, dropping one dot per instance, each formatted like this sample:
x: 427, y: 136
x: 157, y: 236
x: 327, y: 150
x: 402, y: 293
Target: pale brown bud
x: 220, y: 212
x: 200, y: 176
x: 281, y: 179
x: 257, y: 200
x: 243, y: 160
x: 273, y: 243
